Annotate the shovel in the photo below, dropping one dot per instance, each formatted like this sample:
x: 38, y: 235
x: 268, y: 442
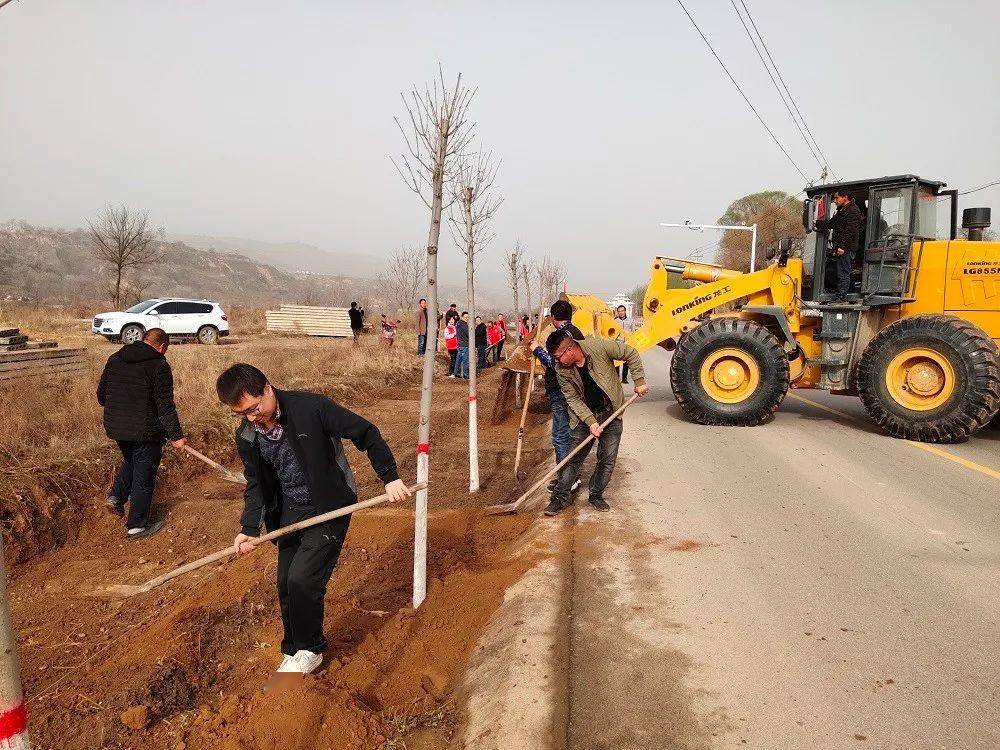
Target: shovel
x: 519, y: 475
x: 513, y: 507
x: 124, y: 591
x: 228, y: 475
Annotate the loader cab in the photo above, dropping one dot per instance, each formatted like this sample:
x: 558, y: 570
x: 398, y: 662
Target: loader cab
x: 899, y: 212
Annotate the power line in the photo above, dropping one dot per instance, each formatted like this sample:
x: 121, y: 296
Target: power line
x: 738, y: 88
x: 981, y: 187
x: 775, y: 83
x: 787, y: 90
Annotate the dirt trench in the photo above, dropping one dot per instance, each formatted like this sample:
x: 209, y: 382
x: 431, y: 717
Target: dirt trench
x: 188, y: 666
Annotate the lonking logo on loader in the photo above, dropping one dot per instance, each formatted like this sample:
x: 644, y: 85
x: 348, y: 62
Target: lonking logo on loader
x: 697, y: 301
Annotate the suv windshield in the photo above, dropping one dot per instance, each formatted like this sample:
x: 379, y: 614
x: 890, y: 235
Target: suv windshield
x: 142, y: 306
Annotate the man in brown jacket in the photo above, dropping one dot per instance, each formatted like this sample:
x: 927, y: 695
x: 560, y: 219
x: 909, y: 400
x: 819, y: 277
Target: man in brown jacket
x: 589, y: 379
x: 422, y: 327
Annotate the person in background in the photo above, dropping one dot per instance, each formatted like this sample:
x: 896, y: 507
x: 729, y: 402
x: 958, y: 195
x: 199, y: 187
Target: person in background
x: 421, y: 326
x: 589, y: 380
x: 492, y: 339
x: 452, y: 313
x: 296, y: 468
x: 389, y: 330
x: 502, y: 330
x: 357, y: 316
x: 136, y: 390
x: 627, y: 327
x: 523, y: 329
x: 481, y: 343
x: 561, y: 313
x: 462, y: 332
x: 845, y: 228
x: 451, y: 344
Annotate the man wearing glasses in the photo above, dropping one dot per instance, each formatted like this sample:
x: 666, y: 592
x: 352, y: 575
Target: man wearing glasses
x: 295, y: 467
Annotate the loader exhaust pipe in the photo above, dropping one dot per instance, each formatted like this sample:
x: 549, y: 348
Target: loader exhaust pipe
x: 976, y: 221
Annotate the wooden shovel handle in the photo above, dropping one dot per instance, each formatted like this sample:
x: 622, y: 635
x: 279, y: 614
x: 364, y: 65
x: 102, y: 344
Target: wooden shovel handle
x: 586, y: 441
x: 222, y: 554
x: 217, y: 466
x: 524, y: 413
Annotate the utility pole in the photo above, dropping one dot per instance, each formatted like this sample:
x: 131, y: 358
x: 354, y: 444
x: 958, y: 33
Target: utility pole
x: 738, y: 228
x: 13, y: 715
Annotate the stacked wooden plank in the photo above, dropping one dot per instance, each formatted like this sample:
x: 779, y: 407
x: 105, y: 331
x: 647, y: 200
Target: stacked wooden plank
x: 309, y: 321
x: 21, y: 357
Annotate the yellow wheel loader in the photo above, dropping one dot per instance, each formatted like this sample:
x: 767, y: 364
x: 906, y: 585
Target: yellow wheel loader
x: 916, y: 339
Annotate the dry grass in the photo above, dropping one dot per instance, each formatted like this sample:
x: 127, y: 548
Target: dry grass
x: 55, y: 457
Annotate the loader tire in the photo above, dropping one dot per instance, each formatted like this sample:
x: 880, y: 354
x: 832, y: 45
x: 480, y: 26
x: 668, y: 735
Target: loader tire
x: 932, y: 378
x: 729, y: 371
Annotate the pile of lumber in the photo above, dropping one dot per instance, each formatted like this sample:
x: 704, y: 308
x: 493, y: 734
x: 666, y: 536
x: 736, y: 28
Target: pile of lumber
x: 309, y: 321
x: 22, y: 357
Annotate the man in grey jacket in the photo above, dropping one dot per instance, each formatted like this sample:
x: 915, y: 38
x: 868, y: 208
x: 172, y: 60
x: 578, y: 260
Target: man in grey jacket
x: 589, y: 379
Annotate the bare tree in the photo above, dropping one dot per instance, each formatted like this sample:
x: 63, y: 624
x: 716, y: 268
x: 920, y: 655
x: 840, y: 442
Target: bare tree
x: 512, y: 266
x: 404, y: 275
x: 477, y: 201
x: 550, y: 275
x: 123, y: 241
x: 527, y: 271
x: 436, y: 130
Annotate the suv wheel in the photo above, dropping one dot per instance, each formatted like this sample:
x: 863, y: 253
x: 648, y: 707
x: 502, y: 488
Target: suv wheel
x: 131, y: 333
x: 208, y: 335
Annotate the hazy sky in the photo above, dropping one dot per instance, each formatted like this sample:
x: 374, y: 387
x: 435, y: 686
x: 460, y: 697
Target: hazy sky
x: 275, y: 120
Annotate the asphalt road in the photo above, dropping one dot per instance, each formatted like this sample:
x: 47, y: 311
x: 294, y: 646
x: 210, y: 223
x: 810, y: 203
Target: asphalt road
x: 810, y: 583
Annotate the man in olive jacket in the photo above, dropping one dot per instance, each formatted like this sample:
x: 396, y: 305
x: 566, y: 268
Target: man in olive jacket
x: 589, y: 379
x: 137, y: 392
x: 295, y: 467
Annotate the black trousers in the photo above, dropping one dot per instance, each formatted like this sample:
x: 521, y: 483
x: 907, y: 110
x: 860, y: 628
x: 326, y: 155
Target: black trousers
x: 452, y: 356
x: 136, y: 479
x: 844, y: 264
x: 305, y: 563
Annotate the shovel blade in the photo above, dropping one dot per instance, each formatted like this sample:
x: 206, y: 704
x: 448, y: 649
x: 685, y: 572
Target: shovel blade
x: 117, y: 591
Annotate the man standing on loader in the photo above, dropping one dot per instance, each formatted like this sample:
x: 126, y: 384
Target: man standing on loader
x: 846, y: 229
x: 589, y: 380
x: 295, y: 469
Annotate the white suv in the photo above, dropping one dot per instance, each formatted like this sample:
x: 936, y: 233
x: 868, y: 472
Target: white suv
x: 177, y: 317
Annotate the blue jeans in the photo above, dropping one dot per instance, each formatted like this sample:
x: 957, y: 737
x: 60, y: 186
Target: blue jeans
x: 607, y: 455
x: 462, y: 362
x: 136, y: 479
x: 562, y: 441
x: 421, y: 343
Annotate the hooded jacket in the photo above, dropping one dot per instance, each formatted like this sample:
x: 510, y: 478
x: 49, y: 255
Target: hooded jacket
x: 136, y: 390
x: 314, y: 426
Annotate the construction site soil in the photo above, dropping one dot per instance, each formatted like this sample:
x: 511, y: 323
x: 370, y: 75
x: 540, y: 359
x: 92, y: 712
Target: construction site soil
x: 190, y: 665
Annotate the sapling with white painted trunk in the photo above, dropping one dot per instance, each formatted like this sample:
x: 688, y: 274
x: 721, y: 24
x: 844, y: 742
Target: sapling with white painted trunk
x: 436, y: 131
x: 475, y: 202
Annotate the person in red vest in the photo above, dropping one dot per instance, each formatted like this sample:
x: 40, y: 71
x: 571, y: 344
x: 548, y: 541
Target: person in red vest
x: 502, y: 330
x: 451, y: 344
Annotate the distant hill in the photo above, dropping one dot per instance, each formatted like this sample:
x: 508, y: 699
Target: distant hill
x: 56, y: 265
x: 289, y: 256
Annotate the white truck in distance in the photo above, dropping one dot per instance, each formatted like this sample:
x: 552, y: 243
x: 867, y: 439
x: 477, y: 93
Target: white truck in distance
x: 179, y: 318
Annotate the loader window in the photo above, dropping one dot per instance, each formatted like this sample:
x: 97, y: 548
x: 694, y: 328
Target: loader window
x: 933, y: 215
x: 892, y: 213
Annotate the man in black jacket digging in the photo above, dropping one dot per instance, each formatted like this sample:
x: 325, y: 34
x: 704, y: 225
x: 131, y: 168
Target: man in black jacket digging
x: 295, y: 469
x: 137, y: 392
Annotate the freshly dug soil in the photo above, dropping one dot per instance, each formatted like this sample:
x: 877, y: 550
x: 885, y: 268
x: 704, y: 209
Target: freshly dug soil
x: 189, y: 666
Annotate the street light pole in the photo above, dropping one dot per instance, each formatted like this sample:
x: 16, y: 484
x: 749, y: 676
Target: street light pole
x: 13, y: 716
x: 735, y: 228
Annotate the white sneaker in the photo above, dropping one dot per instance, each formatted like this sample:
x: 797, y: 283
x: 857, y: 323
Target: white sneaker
x: 284, y: 660
x: 303, y: 662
